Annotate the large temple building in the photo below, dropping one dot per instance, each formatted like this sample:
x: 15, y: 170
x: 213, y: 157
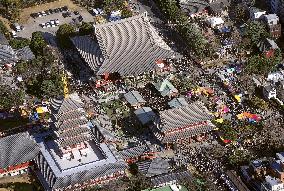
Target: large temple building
x: 75, y: 156
x: 129, y: 47
x: 184, y: 123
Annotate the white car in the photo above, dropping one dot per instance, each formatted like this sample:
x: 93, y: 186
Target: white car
x: 56, y: 22
x: 14, y: 35
x: 48, y: 24
x: 43, y: 25
x: 52, y: 23
x: 43, y: 13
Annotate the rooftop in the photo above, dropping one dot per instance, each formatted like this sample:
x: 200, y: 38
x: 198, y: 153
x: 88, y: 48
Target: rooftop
x: 129, y: 47
x: 17, y: 149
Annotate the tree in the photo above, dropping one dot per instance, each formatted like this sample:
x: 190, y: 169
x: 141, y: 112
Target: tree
x: 241, y: 13
x: 170, y: 9
x: 195, y: 40
x: 260, y: 64
x: 113, y: 5
x: 10, y: 97
x: 4, y: 30
x: 125, y: 13
x: 256, y: 31
x: 38, y: 43
x: 63, y: 35
x: 18, y: 43
x: 86, y: 29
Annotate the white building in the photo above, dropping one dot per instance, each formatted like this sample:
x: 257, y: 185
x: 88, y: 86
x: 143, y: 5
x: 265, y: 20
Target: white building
x: 215, y: 21
x: 272, y: 184
x: 256, y: 13
x: 271, y: 19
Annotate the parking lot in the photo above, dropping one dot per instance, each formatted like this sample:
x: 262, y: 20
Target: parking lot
x: 34, y: 24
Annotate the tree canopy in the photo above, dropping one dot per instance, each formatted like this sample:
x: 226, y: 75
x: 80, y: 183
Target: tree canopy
x: 18, y: 43
x: 86, y: 29
x: 38, y: 43
x: 256, y: 31
x: 63, y: 35
x: 260, y: 64
x: 10, y: 97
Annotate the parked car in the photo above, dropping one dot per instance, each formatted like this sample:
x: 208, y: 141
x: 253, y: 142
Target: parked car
x: 57, y: 22
x: 14, y: 35
x: 52, y: 22
x: 76, y: 12
x: 67, y: 14
x: 80, y: 18
x: 65, y: 8
x: 60, y: 9
x: 56, y: 10
x: 47, y: 12
x: 43, y: 13
x: 48, y: 25
x: 43, y: 25
x: 51, y: 11
x: 39, y: 14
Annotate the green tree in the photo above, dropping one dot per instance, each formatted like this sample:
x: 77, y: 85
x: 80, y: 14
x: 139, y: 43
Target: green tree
x: 170, y: 9
x: 18, y: 43
x: 10, y: 97
x: 256, y: 31
x: 63, y: 35
x: 241, y: 13
x: 260, y: 64
x: 125, y: 13
x: 195, y: 40
x: 113, y: 5
x: 38, y: 44
x: 4, y: 30
x: 86, y: 29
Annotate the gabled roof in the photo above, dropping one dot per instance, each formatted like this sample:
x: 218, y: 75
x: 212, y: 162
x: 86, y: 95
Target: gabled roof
x: 3, y: 39
x: 62, y: 105
x: 177, y: 102
x: 193, y: 6
x: 83, y: 176
x: 171, y: 177
x: 130, y: 46
x: 134, y: 97
x: 134, y: 152
x: 89, y: 50
x: 165, y: 87
x: 154, y: 167
x: 183, y: 116
x: 17, y: 149
x: 267, y: 44
x: 25, y: 53
x: 145, y: 115
x: 7, y: 54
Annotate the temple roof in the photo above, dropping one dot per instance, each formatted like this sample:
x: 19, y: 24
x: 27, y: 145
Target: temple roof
x: 134, y: 152
x: 153, y: 167
x: 129, y: 46
x: 17, y: 149
x: 183, y: 116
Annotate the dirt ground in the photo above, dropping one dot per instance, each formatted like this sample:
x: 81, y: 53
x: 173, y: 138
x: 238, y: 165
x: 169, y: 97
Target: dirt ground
x: 20, y: 178
x: 25, y: 13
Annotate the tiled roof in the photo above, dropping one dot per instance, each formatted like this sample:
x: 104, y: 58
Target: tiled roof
x: 177, y: 102
x: 145, y: 115
x: 79, y: 138
x: 86, y: 175
x: 134, y: 97
x: 7, y: 54
x: 187, y: 133
x: 134, y: 152
x: 165, y: 87
x: 193, y: 6
x: 183, y: 116
x: 153, y: 167
x: 25, y: 53
x: 170, y: 177
x: 17, y: 149
x: 89, y: 51
x: 64, y: 105
x: 130, y: 46
x: 3, y: 39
